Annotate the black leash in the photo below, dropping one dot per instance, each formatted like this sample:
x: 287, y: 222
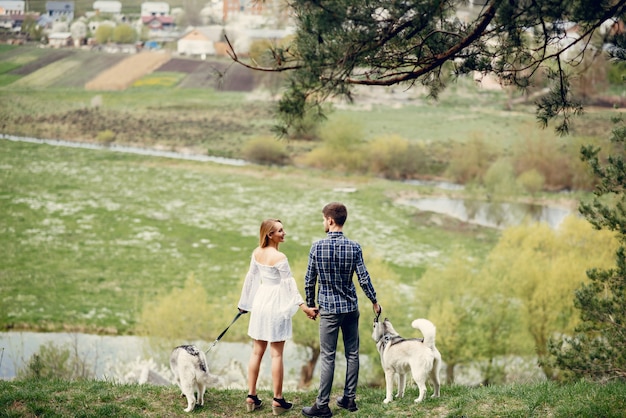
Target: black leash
x: 224, y: 332
x: 378, y: 314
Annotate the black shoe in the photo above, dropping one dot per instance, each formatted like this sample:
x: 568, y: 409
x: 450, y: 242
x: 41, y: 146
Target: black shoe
x: 316, y: 411
x: 347, y: 403
x: 283, y: 407
x: 255, y: 404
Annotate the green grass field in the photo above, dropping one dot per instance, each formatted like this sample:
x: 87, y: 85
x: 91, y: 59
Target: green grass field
x: 90, y: 237
x: 103, y: 399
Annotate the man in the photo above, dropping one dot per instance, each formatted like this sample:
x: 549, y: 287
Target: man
x: 332, y: 263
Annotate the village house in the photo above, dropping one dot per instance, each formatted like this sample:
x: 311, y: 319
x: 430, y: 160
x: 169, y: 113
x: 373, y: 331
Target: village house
x: 12, y: 7
x: 107, y: 7
x: 12, y: 14
x: 200, y: 41
x: 60, y: 39
x: 155, y: 8
x: 60, y: 10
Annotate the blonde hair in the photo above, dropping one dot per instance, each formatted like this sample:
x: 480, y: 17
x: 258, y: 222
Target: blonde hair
x: 267, y: 227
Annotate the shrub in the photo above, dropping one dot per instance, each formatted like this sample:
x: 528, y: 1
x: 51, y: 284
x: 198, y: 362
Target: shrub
x: 469, y: 161
x: 545, y: 155
x: 532, y: 181
x: 266, y: 150
x: 342, y: 148
x: 54, y: 362
x: 107, y: 136
x: 394, y: 157
x: 499, y: 180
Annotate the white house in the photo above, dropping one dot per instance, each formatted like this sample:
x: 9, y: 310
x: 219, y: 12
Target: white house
x: 108, y: 6
x: 60, y: 10
x: 12, y: 7
x: 200, y: 41
x: 60, y: 39
x: 155, y: 8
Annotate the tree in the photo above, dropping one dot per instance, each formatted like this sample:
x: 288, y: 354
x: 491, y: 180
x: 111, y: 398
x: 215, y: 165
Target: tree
x: 104, y: 33
x: 597, y: 349
x: 448, y: 298
x: 124, y: 34
x: 343, y: 43
x: 541, y: 268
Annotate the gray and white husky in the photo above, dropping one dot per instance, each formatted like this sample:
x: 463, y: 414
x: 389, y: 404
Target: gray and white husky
x: 191, y: 373
x: 399, y: 356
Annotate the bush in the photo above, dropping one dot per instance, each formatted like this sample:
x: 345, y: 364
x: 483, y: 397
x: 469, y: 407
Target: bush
x: 499, y: 180
x: 532, y: 181
x: 107, y: 136
x: 53, y: 362
x: 616, y: 73
x: 394, y: 157
x: 342, y: 148
x: 469, y: 161
x: 266, y: 150
x: 547, y: 156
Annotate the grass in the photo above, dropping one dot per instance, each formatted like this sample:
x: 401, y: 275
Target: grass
x: 89, y: 237
x: 53, y: 398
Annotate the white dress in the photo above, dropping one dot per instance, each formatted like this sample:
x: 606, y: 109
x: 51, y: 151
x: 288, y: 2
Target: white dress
x: 271, y: 296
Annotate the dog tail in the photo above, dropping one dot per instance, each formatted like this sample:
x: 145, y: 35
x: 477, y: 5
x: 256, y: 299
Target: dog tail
x: 428, y: 329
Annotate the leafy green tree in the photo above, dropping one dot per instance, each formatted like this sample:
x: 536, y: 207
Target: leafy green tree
x: 511, y: 303
x: 124, y: 34
x: 597, y: 347
x: 32, y: 30
x: 447, y: 297
x: 541, y: 268
x: 104, y: 34
x: 343, y: 43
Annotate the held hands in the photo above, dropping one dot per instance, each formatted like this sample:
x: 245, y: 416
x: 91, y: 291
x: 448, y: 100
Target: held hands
x: 311, y: 313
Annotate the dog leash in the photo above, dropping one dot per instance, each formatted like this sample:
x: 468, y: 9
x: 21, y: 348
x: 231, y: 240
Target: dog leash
x: 224, y: 332
x: 379, y: 312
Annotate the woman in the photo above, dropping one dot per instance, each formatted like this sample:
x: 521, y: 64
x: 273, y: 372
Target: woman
x: 271, y: 295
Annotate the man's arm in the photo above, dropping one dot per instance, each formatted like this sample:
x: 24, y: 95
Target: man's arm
x: 310, y: 280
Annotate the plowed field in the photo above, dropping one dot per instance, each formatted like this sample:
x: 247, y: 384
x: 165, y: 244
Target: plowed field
x: 217, y: 74
x: 94, y: 70
x: 127, y: 71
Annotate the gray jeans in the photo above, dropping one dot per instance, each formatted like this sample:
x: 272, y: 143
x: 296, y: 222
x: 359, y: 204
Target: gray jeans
x: 330, y: 324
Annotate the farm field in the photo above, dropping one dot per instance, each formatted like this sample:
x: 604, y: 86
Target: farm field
x: 215, y: 107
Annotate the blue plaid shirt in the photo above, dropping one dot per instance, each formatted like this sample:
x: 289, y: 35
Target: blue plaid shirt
x: 333, y: 262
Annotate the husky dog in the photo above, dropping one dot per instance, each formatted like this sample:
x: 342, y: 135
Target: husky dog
x: 191, y: 373
x: 401, y: 356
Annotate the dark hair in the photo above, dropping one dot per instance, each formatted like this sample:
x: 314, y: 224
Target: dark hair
x: 337, y: 211
x: 267, y: 227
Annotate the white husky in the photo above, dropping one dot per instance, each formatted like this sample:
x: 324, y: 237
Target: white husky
x: 399, y: 356
x: 191, y: 373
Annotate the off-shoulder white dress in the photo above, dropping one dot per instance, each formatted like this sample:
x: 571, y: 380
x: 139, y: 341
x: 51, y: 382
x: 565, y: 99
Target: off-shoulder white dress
x: 271, y: 296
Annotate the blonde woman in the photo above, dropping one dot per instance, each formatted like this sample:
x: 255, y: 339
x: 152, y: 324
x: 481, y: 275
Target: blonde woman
x: 271, y: 296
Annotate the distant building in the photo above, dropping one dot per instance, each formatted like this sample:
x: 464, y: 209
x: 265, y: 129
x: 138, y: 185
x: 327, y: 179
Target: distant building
x: 275, y: 9
x: 12, y: 7
x: 155, y: 8
x: 158, y: 23
x: 12, y: 14
x: 108, y: 6
x: 200, y: 41
x: 60, y: 10
x: 60, y: 39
